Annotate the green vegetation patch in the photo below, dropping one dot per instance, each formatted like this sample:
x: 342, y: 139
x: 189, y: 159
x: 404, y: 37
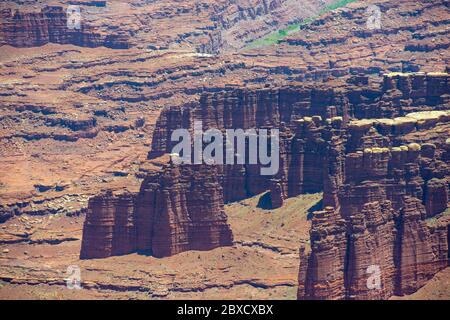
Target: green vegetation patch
x: 276, y: 36
x: 433, y: 221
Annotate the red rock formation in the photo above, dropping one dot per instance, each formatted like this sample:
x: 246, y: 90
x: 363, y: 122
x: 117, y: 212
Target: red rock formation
x: 379, y: 194
x: 339, y: 40
x: 32, y: 29
x: 301, y: 113
x: 276, y: 194
x: 109, y: 228
x: 436, y: 196
x: 247, y: 109
x: 178, y: 209
x: 371, y: 245
x: 325, y: 264
x: 379, y: 187
x: 417, y: 260
x: 188, y: 212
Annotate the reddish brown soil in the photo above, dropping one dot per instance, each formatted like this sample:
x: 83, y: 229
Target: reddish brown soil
x: 77, y: 120
x: 266, y: 243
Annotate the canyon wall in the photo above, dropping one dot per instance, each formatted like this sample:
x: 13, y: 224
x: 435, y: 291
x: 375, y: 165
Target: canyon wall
x: 31, y: 29
x: 385, y: 182
x: 241, y: 22
x: 177, y: 209
x: 215, y: 25
x: 297, y: 111
x: 378, y: 216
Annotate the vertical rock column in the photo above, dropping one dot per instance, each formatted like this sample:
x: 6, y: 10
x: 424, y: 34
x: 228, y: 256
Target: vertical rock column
x: 323, y: 275
x: 419, y: 257
x: 109, y: 226
x: 190, y: 213
x: 371, y: 250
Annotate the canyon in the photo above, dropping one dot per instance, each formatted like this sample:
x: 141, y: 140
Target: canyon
x: 376, y: 188
x: 87, y: 179
x: 219, y: 25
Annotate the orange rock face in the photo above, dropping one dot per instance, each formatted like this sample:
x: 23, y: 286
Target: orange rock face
x: 374, y: 187
x: 179, y: 209
x: 363, y: 114
x: 111, y: 230
x: 378, y: 192
x: 50, y: 25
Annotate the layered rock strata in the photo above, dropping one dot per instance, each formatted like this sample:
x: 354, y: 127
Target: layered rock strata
x: 298, y: 112
x: 384, y: 194
x: 109, y: 228
x: 31, y: 29
x: 378, y: 192
x: 177, y: 209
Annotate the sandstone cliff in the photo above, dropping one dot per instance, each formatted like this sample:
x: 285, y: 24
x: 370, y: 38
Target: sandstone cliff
x: 299, y: 113
x: 31, y: 29
x: 384, y: 179
x: 379, y: 194
x: 178, y: 209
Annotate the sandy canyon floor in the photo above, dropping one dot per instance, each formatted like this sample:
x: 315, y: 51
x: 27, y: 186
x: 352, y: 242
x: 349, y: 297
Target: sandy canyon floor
x: 262, y: 263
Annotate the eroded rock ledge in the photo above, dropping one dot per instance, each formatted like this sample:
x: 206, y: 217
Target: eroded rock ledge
x: 177, y: 209
x: 30, y: 29
x: 377, y: 214
x: 385, y: 181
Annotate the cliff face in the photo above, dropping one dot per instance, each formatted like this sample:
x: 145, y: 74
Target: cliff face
x: 380, y: 192
x: 336, y: 38
x: 241, y: 22
x: 109, y: 228
x: 376, y: 253
x: 384, y: 193
x: 172, y: 213
x: 31, y: 29
x: 422, y: 250
x: 301, y: 151
x: 371, y: 244
x: 184, y: 216
x: 298, y: 112
x: 214, y: 27
x: 323, y: 275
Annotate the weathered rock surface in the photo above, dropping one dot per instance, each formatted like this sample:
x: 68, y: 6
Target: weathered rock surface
x: 379, y: 193
x: 372, y: 181
x: 262, y: 263
x: 187, y: 214
x: 341, y: 38
x: 300, y: 112
x: 376, y: 188
x: 109, y: 228
x: 177, y: 209
x: 74, y: 120
x: 51, y: 96
x: 423, y: 251
x: 214, y: 26
x: 31, y: 29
